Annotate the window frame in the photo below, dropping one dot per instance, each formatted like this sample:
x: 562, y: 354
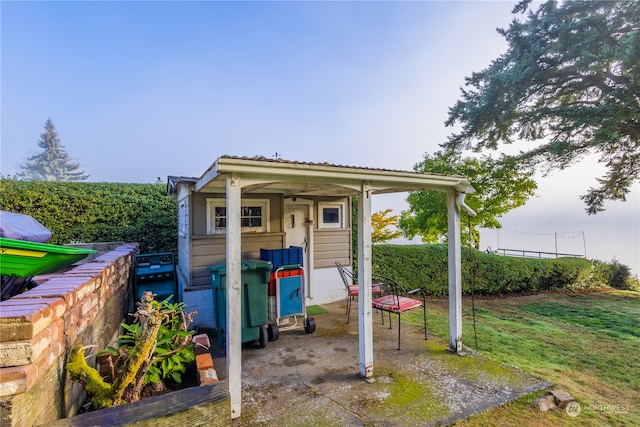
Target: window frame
x: 263, y: 204
x: 341, y: 224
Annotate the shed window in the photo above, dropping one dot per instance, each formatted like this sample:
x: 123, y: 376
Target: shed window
x: 253, y: 216
x: 331, y: 215
x: 182, y: 219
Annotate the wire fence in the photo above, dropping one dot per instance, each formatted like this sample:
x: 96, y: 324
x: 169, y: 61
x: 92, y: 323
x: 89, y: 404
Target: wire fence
x: 522, y: 253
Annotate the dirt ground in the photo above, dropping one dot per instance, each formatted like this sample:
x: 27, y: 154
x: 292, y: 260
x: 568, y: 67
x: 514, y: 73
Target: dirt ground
x: 313, y: 379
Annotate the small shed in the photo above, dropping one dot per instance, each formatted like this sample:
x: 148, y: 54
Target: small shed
x: 241, y: 205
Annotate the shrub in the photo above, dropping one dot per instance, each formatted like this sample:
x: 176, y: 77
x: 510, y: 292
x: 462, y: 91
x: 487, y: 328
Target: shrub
x: 426, y: 266
x: 97, y: 212
x: 618, y: 275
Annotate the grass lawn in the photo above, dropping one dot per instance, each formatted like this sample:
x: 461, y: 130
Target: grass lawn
x: 588, y: 344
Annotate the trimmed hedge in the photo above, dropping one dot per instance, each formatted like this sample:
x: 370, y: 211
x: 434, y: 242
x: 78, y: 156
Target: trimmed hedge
x: 426, y: 266
x: 81, y: 212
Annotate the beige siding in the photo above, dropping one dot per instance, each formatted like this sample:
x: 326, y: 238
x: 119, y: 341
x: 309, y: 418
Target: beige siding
x: 199, y: 210
x: 205, y: 250
x: 331, y: 246
x: 210, y: 250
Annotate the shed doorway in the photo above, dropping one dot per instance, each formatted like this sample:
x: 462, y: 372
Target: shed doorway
x: 298, y: 223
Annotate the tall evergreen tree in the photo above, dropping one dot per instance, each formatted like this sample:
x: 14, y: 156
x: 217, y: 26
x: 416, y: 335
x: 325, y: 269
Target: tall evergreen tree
x: 569, y: 84
x: 54, y: 163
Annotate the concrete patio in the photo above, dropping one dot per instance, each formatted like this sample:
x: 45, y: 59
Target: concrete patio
x: 313, y: 380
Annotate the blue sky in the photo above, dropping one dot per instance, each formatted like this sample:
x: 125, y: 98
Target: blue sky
x: 141, y: 90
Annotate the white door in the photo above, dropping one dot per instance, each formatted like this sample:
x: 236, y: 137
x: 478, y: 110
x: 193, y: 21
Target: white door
x: 298, y: 223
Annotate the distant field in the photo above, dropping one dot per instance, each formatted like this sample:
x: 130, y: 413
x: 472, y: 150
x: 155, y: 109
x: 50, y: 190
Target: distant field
x: 586, y: 343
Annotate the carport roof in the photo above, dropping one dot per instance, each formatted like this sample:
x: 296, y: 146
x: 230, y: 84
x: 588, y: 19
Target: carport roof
x: 263, y: 175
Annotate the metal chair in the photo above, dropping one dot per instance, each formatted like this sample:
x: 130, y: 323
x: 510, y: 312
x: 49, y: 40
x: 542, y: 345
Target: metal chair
x: 352, y: 287
x: 397, y: 300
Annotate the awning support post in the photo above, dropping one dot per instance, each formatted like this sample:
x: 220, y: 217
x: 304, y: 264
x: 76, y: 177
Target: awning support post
x: 365, y: 327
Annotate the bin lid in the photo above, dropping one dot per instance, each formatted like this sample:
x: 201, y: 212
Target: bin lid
x: 245, y: 265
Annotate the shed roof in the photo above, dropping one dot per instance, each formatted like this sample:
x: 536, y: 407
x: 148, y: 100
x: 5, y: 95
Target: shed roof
x: 264, y: 175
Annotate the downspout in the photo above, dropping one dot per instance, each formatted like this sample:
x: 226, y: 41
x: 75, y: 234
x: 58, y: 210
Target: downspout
x: 461, y: 204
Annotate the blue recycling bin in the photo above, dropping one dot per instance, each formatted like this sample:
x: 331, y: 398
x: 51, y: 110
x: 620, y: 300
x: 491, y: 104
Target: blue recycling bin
x: 155, y: 273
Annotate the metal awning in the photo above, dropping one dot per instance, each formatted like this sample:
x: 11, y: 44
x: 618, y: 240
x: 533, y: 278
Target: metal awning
x: 237, y: 176
x: 286, y: 177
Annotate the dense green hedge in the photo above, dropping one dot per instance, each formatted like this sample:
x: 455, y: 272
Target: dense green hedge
x: 80, y: 212
x: 425, y: 266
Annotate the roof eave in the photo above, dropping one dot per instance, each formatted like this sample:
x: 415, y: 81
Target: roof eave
x: 381, y: 181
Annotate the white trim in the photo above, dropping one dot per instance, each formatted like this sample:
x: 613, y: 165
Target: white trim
x: 455, y: 273
x: 213, y: 203
x: 234, y: 301
x: 331, y: 205
x: 182, y: 218
x: 365, y: 328
x: 308, y: 254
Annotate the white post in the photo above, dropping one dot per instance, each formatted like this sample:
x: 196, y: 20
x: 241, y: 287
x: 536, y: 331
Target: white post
x: 455, y: 273
x: 234, y: 295
x: 365, y: 328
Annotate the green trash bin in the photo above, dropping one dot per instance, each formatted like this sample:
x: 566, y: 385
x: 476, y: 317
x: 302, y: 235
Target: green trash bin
x: 254, y: 281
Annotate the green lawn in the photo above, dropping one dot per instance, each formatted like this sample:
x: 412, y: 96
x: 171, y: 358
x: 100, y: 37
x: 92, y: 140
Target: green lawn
x: 586, y: 343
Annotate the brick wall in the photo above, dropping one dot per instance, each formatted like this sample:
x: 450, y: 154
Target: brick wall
x: 86, y: 305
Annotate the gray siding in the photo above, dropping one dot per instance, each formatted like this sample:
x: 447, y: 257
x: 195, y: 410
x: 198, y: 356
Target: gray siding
x: 184, y: 241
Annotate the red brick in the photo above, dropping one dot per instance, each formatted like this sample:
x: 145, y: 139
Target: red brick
x: 68, y: 293
x: 204, y: 361
x: 45, y: 360
x: 16, y: 315
x: 17, y: 379
x: 40, y: 343
x: 207, y: 376
x: 202, y: 343
x: 57, y: 304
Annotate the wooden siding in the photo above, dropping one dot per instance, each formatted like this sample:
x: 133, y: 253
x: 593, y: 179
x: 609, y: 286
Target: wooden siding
x: 199, y: 210
x: 330, y: 246
x: 184, y: 242
x: 199, y: 250
x: 210, y: 250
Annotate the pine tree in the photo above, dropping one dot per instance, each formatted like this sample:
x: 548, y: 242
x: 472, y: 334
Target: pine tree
x: 54, y: 163
x: 569, y: 85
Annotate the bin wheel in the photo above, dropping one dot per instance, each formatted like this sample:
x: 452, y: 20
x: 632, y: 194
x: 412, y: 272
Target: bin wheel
x: 264, y: 337
x: 273, y: 332
x: 309, y: 325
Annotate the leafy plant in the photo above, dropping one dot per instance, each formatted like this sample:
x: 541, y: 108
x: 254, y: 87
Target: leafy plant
x: 173, y: 349
x: 499, y: 188
x: 157, y: 345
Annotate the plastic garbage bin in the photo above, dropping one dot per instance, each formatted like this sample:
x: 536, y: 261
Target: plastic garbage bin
x: 155, y: 273
x: 255, y: 314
